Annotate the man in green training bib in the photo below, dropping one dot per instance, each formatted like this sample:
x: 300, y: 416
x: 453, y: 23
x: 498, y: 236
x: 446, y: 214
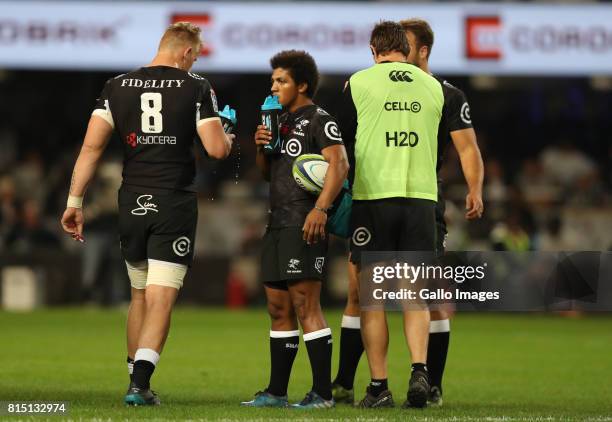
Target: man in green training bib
x: 389, y: 119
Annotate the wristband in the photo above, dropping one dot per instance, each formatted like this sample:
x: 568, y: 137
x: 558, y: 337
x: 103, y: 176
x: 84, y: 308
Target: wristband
x: 323, y: 210
x: 74, y: 202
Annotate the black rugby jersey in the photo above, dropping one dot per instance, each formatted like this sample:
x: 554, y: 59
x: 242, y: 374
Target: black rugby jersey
x: 155, y: 111
x: 307, y: 131
x: 455, y: 116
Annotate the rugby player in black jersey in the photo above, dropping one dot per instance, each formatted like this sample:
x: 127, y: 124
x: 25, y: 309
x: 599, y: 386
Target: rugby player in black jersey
x: 157, y: 110
x: 295, y: 245
x: 455, y: 123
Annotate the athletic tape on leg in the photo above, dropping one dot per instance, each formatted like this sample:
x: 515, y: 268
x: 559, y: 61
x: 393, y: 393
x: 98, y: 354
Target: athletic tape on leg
x: 168, y: 274
x: 137, y: 272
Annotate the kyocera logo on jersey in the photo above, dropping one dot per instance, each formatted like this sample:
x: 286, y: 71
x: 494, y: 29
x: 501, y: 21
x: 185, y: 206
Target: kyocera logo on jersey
x: 133, y: 140
x: 483, y: 37
x: 284, y: 129
x: 204, y: 21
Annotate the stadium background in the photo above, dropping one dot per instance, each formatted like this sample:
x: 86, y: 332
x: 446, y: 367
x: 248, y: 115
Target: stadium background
x: 543, y: 128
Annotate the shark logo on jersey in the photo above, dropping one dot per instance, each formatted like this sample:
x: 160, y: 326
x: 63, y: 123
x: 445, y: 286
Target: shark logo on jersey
x: 302, y: 124
x: 293, y: 266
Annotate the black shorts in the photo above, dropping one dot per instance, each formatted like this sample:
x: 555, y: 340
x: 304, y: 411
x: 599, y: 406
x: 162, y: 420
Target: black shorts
x: 287, y: 257
x: 157, y: 226
x: 392, y: 224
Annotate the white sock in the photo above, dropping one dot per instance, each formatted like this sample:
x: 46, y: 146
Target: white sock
x: 441, y: 326
x: 149, y: 355
x: 317, y: 334
x: 130, y: 368
x: 353, y: 322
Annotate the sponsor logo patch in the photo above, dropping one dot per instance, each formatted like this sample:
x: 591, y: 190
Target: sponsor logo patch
x: 293, y: 147
x: 319, y: 262
x: 332, y: 131
x: 144, y: 206
x: 465, y: 114
x: 361, y: 236
x: 181, y: 246
x: 293, y: 267
x: 400, y: 76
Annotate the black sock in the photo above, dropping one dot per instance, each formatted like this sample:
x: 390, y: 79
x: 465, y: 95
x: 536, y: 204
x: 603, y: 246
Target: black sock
x: 378, y: 386
x: 418, y: 367
x: 320, y: 355
x: 130, y: 363
x: 436, y: 357
x: 283, y: 349
x: 351, y: 349
x: 143, y: 369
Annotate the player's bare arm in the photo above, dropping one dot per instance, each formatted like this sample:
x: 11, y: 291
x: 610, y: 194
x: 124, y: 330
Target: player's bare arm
x: 217, y: 143
x: 95, y: 142
x: 314, y: 225
x: 262, y: 137
x: 473, y: 170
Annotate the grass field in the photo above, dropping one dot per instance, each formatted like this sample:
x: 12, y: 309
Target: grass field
x: 500, y: 367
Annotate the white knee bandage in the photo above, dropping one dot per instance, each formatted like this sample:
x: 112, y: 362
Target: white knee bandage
x: 137, y: 271
x: 167, y: 274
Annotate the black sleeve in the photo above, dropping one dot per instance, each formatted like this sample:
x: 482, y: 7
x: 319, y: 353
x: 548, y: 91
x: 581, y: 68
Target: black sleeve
x: 206, y: 104
x: 102, y: 107
x: 457, y: 110
x: 325, y: 131
x: 348, y: 123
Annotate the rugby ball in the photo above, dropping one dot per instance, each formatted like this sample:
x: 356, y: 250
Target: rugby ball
x: 309, y: 172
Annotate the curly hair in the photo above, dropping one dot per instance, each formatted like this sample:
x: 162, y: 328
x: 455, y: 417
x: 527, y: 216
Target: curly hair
x: 301, y: 66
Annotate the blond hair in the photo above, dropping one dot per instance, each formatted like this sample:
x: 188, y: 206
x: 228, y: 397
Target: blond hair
x: 180, y: 34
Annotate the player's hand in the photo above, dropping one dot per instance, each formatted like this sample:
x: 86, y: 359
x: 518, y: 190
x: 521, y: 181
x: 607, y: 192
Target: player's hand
x: 314, y: 226
x: 263, y: 136
x: 473, y: 205
x: 72, y: 222
x: 230, y: 139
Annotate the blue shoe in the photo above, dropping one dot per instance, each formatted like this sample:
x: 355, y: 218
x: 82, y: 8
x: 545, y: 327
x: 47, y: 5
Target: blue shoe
x: 141, y: 397
x: 314, y: 401
x: 265, y: 399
